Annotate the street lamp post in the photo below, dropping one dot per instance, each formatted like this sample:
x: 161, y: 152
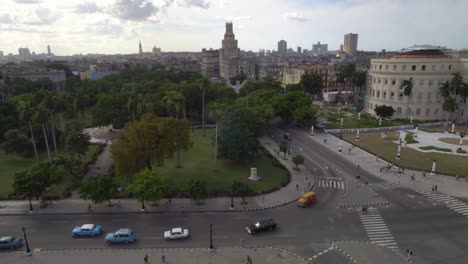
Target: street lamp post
x: 453, y: 128
x: 434, y: 162
x: 211, y: 237
x: 399, y: 151
x: 289, y: 147
x: 28, y: 251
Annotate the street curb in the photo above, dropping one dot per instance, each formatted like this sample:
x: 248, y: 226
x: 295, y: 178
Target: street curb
x: 164, y: 249
x: 361, y: 204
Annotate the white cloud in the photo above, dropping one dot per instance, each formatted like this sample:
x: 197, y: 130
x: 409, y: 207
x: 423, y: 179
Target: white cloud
x: 135, y: 10
x: 5, y: 19
x: 88, y: 7
x: 43, y: 16
x: 27, y: 1
x: 294, y: 17
x: 197, y: 3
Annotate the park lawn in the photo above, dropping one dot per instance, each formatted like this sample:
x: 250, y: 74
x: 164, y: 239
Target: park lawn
x: 453, y: 141
x: 198, y: 163
x: 11, y: 164
x: 442, y: 129
x: 412, y: 159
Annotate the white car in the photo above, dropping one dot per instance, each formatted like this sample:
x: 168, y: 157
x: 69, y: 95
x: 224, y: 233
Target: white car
x: 176, y: 233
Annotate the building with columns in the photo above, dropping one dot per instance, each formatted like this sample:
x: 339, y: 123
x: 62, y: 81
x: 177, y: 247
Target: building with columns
x: 429, y: 67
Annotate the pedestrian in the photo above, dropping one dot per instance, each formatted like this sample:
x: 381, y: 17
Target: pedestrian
x: 309, y: 184
x: 89, y: 208
x: 249, y: 260
x: 307, y: 179
x: 242, y: 242
x: 163, y: 258
x: 349, y: 151
x: 435, y: 188
x: 377, y: 158
x: 432, y: 188
x: 297, y: 186
x: 366, y: 183
x: 424, y: 174
x: 403, y: 170
x: 119, y: 204
x: 146, y: 259
x: 169, y: 200
x: 458, y: 177
x: 358, y: 166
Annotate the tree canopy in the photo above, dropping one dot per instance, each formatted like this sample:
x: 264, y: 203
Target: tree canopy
x: 99, y: 188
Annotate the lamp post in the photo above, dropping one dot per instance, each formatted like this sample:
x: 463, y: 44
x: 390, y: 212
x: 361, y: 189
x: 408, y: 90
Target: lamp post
x: 289, y: 147
x: 399, y: 151
x: 453, y: 128
x: 28, y: 251
x: 211, y: 237
x: 416, y: 131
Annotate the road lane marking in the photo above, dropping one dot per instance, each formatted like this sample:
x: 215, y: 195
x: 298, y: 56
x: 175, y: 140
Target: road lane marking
x: 286, y: 235
x: 120, y: 220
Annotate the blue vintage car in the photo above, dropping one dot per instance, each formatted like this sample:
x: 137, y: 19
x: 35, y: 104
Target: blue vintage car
x: 10, y: 242
x: 123, y: 235
x: 87, y: 230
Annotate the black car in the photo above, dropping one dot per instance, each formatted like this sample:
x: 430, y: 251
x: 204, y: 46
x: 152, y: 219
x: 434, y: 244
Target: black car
x: 260, y: 226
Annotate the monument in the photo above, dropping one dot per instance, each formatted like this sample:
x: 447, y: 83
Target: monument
x: 253, y: 174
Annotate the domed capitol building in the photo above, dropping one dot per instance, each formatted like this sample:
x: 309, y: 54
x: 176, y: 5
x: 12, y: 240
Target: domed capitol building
x: 429, y: 67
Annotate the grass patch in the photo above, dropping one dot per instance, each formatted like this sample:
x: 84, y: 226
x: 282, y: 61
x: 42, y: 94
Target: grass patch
x: 448, y: 164
x: 435, y: 148
x: 410, y: 138
x: 461, y: 151
x: 12, y: 164
x: 198, y: 163
x: 442, y: 129
x: 453, y: 141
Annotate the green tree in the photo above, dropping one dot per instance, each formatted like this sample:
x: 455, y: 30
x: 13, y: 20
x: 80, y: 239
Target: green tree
x: 179, y: 135
x: 304, y: 116
x: 147, y: 186
x: 140, y: 144
x: 238, y: 136
x: 8, y: 118
x: 195, y: 189
x: 241, y: 189
x: 311, y: 83
x: 384, y: 111
x: 77, y: 143
x: 449, y: 106
x: 99, y: 188
x: 298, y: 160
x: 175, y: 102
x: 111, y: 109
x: 407, y: 85
x: 283, y: 146
x: 16, y: 142
x: 41, y: 117
x: 285, y: 105
x: 25, y: 186
x: 26, y: 112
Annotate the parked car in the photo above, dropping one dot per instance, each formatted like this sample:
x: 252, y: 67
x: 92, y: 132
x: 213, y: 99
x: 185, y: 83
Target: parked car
x: 123, y: 235
x: 307, y: 199
x: 176, y: 233
x: 87, y: 230
x: 260, y: 226
x: 10, y: 242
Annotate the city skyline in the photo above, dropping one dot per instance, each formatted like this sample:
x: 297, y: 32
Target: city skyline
x: 116, y: 26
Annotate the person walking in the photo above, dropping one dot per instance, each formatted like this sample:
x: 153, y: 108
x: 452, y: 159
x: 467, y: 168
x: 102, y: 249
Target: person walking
x: 89, y: 209
x: 249, y: 260
x: 242, y: 242
x: 458, y: 177
x: 163, y: 258
x: 435, y: 188
x: 146, y: 259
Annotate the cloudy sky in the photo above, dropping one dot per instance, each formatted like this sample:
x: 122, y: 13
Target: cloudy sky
x: 115, y: 26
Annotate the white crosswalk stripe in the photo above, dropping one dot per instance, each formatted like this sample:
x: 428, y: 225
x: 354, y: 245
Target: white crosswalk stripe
x: 333, y: 183
x: 452, y: 203
x: 377, y: 230
x: 383, y: 186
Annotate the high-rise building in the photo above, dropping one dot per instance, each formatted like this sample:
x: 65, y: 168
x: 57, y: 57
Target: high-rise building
x: 210, y: 63
x: 319, y: 48
x: 48, y: 50
x: 341, y: 47
x: 231, y: 63
x: 140, y: 49
x: 350, y: 43
x: 24, y: 52
x: 299, y: 50
x: 282, y: 46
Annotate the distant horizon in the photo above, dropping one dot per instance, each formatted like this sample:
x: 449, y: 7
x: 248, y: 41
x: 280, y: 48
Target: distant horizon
x: 115, y: 26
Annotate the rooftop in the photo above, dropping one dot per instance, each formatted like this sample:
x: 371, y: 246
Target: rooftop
x: 422, y: 51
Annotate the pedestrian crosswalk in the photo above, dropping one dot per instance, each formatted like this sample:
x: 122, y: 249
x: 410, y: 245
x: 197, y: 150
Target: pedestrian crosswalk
x: 377, y: 230
x: 333, y: 183
x: 383, y: 186
x: 452, y: 203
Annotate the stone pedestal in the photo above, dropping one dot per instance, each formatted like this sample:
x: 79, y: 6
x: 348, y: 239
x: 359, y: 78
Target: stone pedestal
x: 253, y: 174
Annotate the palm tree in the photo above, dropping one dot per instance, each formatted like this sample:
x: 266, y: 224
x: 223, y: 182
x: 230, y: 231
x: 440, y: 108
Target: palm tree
x: 407, y: 85
x: 25, y: 115
x: 174, y: 101
x: 449, y: 106
x: 41, y: 116
x: 52, y: 102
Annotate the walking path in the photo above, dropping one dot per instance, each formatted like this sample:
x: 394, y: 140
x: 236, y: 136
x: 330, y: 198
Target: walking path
x: 366, y: 253
x: 446, y: 184
x: 288, y: 194
x: 166, y: 255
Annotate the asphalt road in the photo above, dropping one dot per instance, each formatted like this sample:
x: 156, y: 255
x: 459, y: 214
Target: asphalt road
x: 435, y: 233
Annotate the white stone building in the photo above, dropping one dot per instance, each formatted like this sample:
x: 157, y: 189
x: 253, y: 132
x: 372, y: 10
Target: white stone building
x: 429, y: 67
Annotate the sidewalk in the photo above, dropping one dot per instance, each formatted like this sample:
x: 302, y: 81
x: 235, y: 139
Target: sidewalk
x: 171, y: 255
x: 283, y: 196
x: 367, y: 253
x: 446, y: 184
